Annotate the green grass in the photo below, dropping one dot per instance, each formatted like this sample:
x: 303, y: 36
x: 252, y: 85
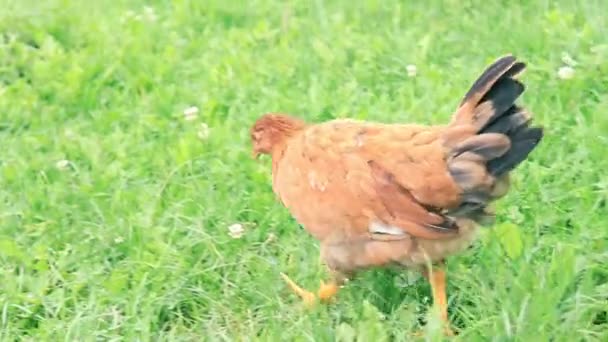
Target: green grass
x: 129, y: 240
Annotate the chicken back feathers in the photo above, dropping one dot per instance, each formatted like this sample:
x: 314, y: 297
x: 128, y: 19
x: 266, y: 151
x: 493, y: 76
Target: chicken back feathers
x: 377, y: 193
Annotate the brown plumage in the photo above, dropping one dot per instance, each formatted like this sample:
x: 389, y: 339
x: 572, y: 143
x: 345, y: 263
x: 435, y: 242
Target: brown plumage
x: 378, y: 194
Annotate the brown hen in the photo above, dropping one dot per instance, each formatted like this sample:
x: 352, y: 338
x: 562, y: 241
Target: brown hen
x: 379, y: 194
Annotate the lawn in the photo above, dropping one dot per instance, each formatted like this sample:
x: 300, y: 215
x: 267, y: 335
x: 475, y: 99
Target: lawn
x: 116, y: 206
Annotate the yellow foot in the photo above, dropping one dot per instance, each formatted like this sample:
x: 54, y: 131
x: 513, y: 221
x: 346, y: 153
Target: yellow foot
x: 307, y: 296
x: 326, y: 291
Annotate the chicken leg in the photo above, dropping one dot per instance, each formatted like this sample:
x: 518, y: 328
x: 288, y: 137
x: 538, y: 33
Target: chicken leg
x: 437, y: 279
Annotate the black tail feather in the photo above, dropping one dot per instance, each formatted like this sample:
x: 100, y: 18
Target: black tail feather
x: 501, y: 97
x: 513, y: 119
x: 522, y: 143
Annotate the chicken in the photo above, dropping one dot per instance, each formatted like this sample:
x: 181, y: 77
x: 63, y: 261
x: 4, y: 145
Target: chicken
x: 410, y: 195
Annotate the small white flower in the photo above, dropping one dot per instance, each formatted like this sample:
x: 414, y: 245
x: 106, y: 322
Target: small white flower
x: 127, y: 16
x: 190, y: 113
x: 119, y: 239
x: 568, y: 60
x: 150, y: 13
x: 62, y: 164
x: 271, y: 238
x: 565, y: 73
x: 69, y: 134
x: 203, y: 131
x: 236, y: 230
x: 411, y: 70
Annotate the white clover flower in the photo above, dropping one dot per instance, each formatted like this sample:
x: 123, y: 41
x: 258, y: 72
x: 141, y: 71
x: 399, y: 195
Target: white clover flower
x: 568, y: 60
x: 150, y: 13
x: 70, y: 134
x: 236, y: 230
x: 62, y: 164
x: 271, y: 238
x: 190, y: 113
x: 128, y: 15
x: 203, y: 131
x: 411, y: 70
x: 565, y: 73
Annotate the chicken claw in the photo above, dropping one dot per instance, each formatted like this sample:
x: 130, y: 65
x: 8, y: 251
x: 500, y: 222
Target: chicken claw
x: 307, y: 296
x: 325, y: 293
